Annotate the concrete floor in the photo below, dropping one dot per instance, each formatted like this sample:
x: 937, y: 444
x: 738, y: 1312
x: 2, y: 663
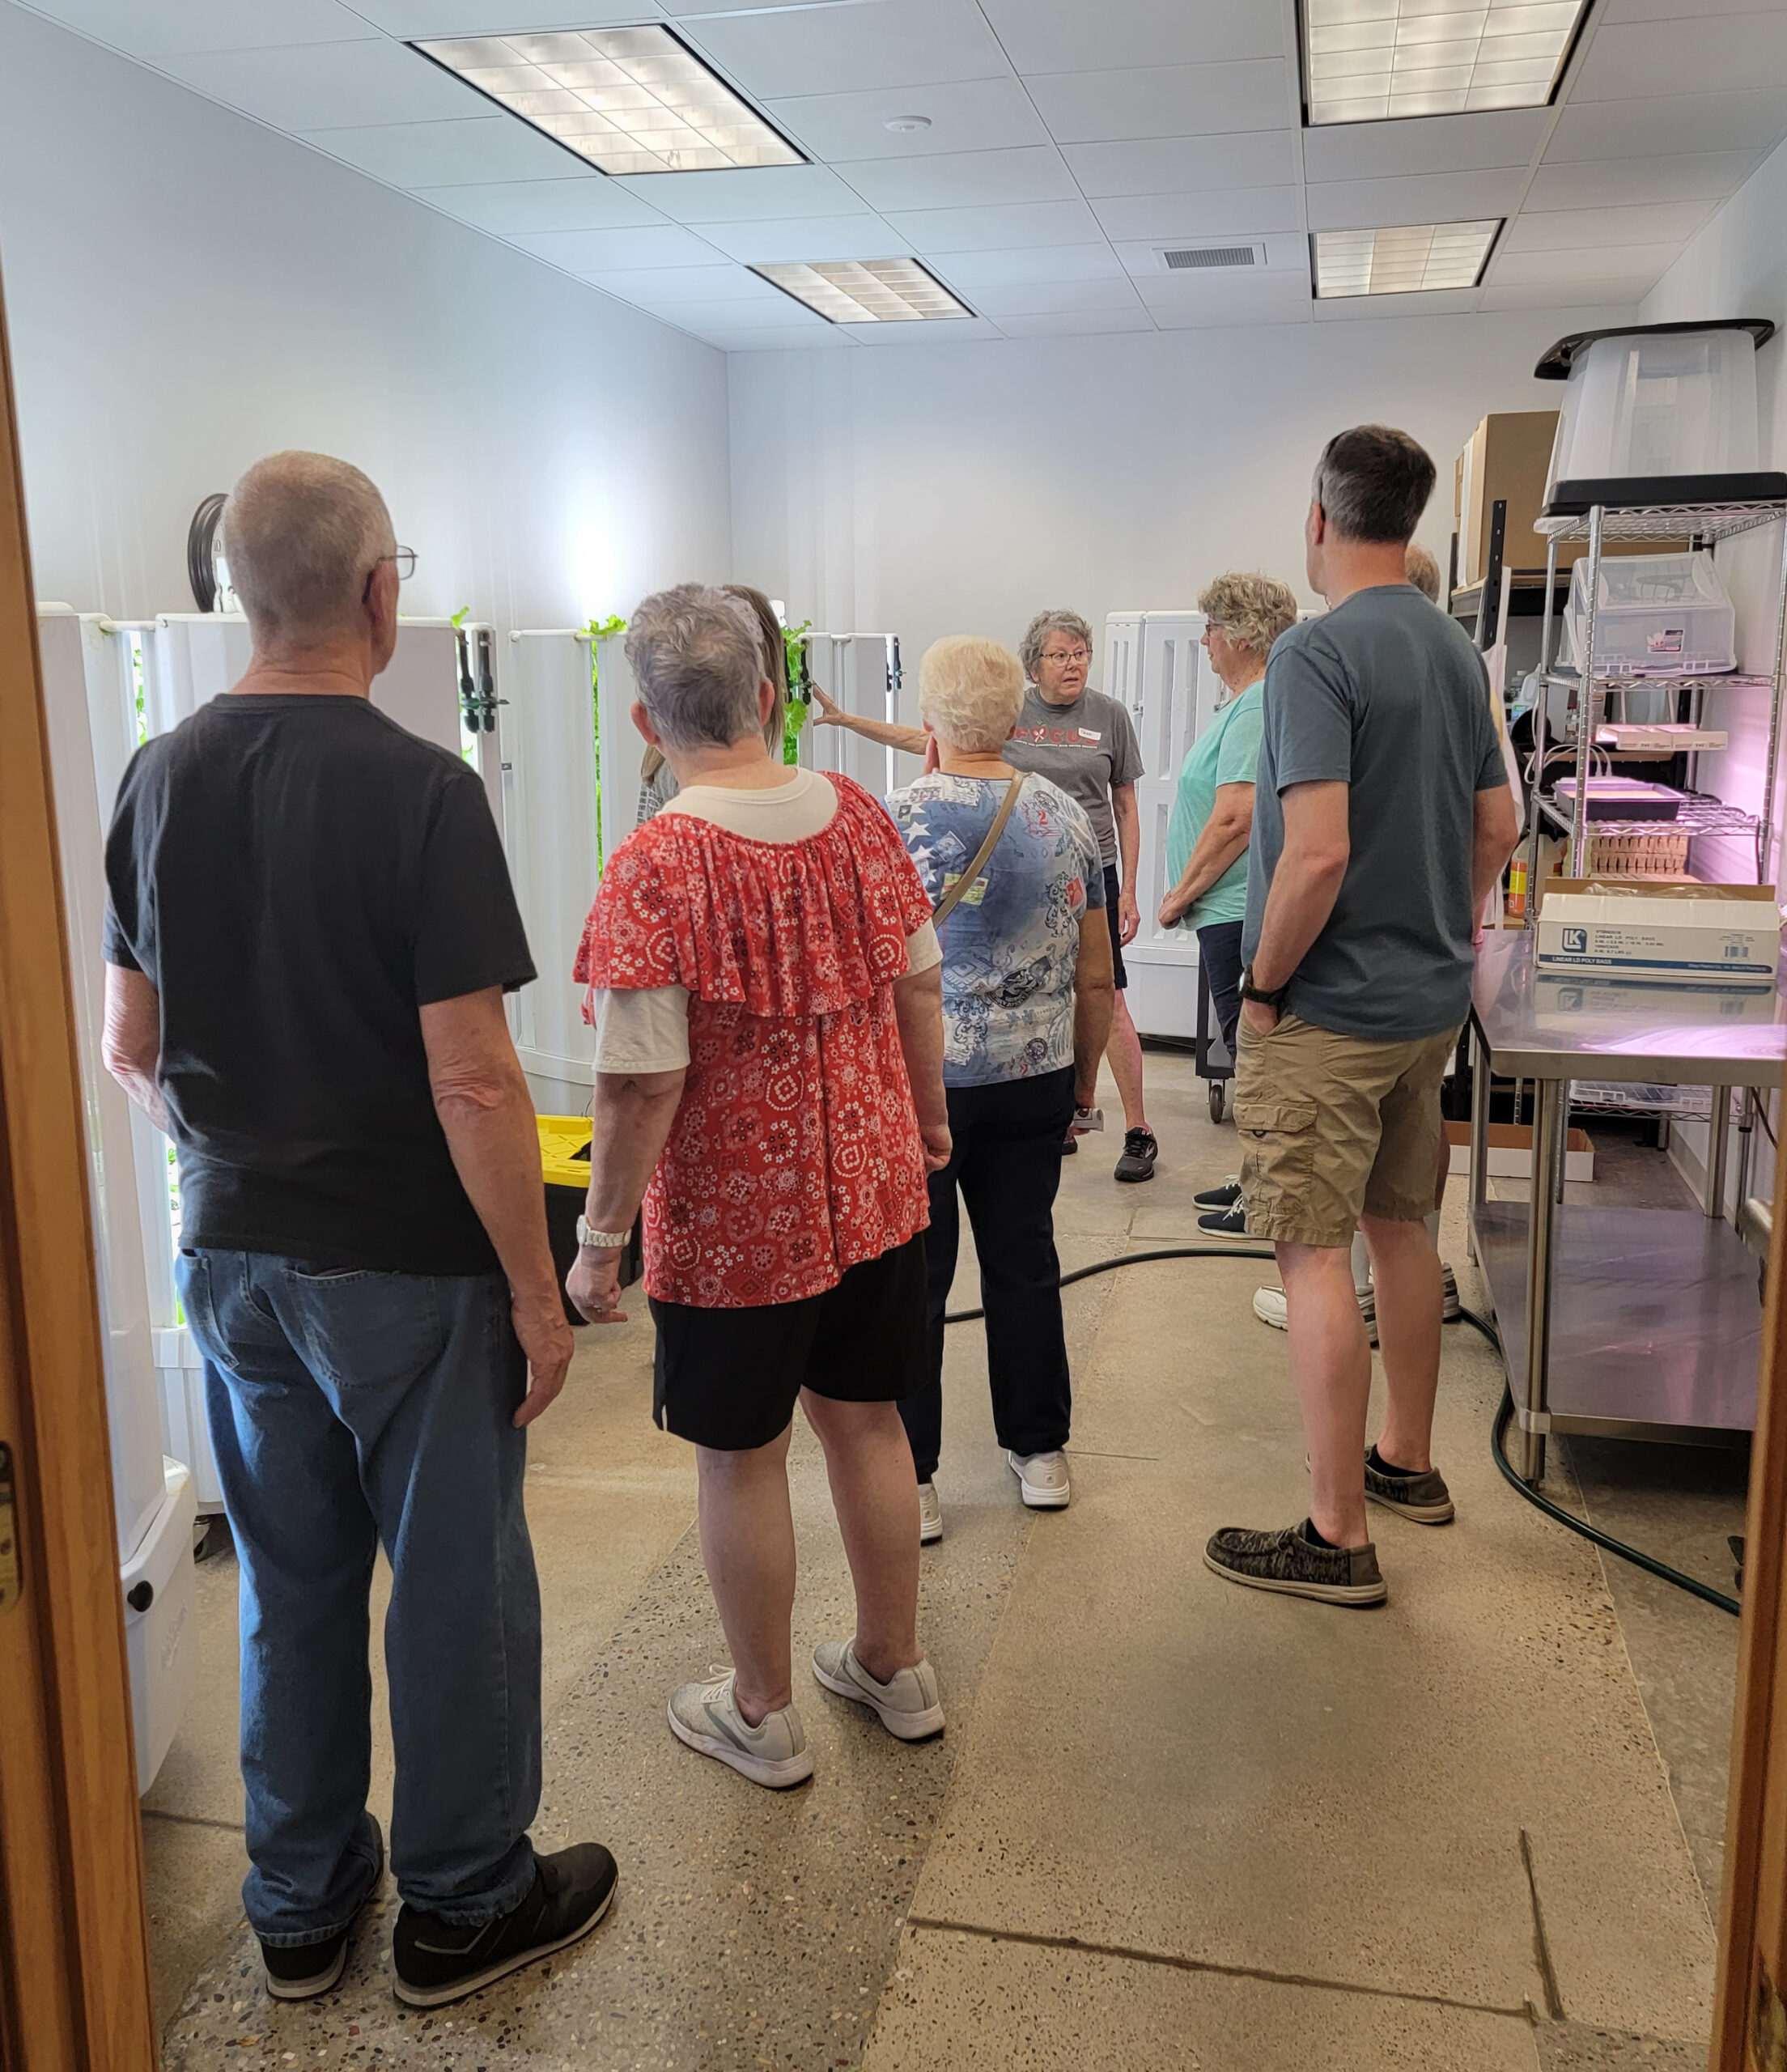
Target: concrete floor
x: 1171, y: 1824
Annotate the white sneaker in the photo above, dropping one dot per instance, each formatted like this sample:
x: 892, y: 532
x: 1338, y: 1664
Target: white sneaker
x: 908, y: 1704
x: 774, y: 1752
x: 930, y: 1514
x: 1269, y: 1305
x: 1042, y: 1478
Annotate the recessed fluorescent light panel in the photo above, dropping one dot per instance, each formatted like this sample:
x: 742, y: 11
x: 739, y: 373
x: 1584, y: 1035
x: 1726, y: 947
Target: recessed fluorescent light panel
x: 1404, y: 261
x: 867, y: 290
x: 1375, y: 60
x: 628, y: 100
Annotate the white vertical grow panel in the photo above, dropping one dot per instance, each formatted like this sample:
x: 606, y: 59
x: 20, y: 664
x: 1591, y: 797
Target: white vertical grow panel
x: 1172, y: 696
x: 1122, y: 657
x: 189, y: 657
x: 76, y: 653
x: 90, y: 698
x: 622, y: 747
x: 547, y: 731
x: 859, y: 670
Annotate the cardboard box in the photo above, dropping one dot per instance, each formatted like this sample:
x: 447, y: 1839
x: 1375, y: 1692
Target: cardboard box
x: 1511, y: 1152
x: 1695, y: 935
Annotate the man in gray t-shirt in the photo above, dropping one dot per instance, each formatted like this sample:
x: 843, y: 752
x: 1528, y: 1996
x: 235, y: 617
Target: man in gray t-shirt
x: 1382, y: 821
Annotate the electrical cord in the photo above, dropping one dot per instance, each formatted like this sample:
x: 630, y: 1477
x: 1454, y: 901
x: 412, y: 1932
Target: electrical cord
x: 1503, y: 1417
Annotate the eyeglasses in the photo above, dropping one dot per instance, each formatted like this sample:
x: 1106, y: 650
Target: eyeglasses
x: 406, y: 560
x: 1069, y: 655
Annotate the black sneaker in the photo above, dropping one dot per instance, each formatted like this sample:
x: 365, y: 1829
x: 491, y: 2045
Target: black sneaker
x: 302, y: 1972
x: 1223, y: 1197
x: 1292, y: 1563
x: 1139, y: 1152
x: 1224, y: 1223
x: 437, y: 1961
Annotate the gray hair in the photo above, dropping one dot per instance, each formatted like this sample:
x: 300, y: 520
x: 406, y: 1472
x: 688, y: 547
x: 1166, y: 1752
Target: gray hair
x: 1253, y: 610
x: 1373, y: 483
x: 971, y: 690
x: 697, y: 658
x: 303, y: 533
x: 1036, y: 634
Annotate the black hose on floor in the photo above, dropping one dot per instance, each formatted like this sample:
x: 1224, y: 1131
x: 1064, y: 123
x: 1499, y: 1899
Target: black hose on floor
x: 1503, y: 1417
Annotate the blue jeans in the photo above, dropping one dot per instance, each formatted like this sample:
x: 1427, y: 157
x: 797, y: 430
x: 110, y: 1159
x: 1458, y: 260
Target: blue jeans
x: 1219, y: 945
x: 349, y: 1410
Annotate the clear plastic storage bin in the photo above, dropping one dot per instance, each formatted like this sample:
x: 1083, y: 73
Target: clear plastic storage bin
x: 1660, y: 415
x: 1655, y: 615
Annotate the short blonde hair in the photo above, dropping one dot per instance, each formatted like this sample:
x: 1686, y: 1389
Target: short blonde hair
x: 1253, y: 610
x: 971, y: 690
x: 1424, y: 571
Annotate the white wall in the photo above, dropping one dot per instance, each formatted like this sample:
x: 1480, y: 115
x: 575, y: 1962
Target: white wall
x: 1737, y: 266
x: 187, y: 290
x: 930, y: 489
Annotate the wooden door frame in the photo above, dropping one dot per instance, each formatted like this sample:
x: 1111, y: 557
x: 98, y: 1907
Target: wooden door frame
x: 74, y: 1979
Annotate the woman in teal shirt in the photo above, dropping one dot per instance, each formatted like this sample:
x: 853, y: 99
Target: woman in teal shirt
x: 1213, y: 813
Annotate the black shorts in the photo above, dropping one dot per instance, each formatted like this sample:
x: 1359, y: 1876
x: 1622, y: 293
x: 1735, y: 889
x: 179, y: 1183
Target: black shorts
x: 1117, y: 971
x: 729, y: 1378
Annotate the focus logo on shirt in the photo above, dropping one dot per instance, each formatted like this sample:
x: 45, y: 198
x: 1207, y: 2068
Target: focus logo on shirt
x: 1058, y: 737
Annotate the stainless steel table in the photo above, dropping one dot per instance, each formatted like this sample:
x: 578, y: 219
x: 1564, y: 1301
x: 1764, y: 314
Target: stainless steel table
x: 1622, y: 1322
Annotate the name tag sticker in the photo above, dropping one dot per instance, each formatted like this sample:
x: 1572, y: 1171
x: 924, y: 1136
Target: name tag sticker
x: 1086, y: 734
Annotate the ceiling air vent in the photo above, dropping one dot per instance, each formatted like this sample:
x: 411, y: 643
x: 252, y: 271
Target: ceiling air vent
x: 1186, y: 258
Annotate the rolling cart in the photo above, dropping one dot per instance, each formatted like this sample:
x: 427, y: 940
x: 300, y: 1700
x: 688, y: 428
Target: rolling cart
x: 1211, y: 1056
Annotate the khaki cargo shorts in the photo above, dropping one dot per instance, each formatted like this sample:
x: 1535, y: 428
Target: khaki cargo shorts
x: 1334, y: 1127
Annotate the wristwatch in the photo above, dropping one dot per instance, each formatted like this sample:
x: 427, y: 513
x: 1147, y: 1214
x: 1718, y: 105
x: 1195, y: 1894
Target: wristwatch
x: 602, y: 1240
x: 1250, y: 992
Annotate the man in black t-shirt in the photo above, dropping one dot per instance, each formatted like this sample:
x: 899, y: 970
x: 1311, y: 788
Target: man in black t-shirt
x: 311, y: 933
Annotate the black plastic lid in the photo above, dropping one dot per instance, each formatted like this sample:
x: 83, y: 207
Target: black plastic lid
x: 1556, y: 365
x: 1574, y: 499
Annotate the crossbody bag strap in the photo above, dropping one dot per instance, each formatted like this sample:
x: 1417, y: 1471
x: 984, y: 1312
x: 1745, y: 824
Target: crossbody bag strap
x: 946, y: 906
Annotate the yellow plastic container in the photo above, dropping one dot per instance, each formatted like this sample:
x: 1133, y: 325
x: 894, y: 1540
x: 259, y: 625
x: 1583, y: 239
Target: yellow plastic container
x: 564, y: 1151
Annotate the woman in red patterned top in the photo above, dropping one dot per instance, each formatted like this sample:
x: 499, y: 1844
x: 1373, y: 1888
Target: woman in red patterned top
x: 765, y: 983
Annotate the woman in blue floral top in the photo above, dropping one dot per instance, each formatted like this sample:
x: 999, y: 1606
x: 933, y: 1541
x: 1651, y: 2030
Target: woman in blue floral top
x: 1027, y: 995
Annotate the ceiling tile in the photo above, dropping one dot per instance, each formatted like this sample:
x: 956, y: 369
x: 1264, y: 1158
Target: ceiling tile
x: 505, y: 207
x: 317, y: 86
x: 1183, y: 165
x: 410, y: 17
x: 965, y: 115
x: 976, y: 229
x: 443, y: 153
x: 585, y: 252
x: 179, y: 26
x: 1248, y: 212
x: 1423, y: 302
x: 1069, y: 36
x: 1438, y: 198
x: 1042, y: 299
x: 1179, y: 304
x: 954, y: 331
x: 778, y: 312
x: 1078, y: 323
x: 745, y: 194
x: 1616, y: 296
x: 714, y: 282
x: 969, y: 180
x: 806, y: 241
x: 1644, y: 59
x: 1448, y: 143
x: 1606, y: 183
x: 1587, y: 229
x: 1751, y: 121
x: 972, y: 271
x: 1167, y: 100
x: 1142, y: 258
x: 827, y: 336
x: 834, y: 50
x: 1565, y: 268
x: 1675, y: 10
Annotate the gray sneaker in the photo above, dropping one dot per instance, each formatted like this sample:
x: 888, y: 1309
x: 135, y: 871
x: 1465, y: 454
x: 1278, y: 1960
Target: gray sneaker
x: 1291, y: 1562
x: 1424, y: 1498
x: 774, y: 1752
x: 908, y: 1704
x: 930, y: 1514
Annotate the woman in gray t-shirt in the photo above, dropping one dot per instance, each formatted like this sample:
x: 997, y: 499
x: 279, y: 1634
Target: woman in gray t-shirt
x: 1083, y: 741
